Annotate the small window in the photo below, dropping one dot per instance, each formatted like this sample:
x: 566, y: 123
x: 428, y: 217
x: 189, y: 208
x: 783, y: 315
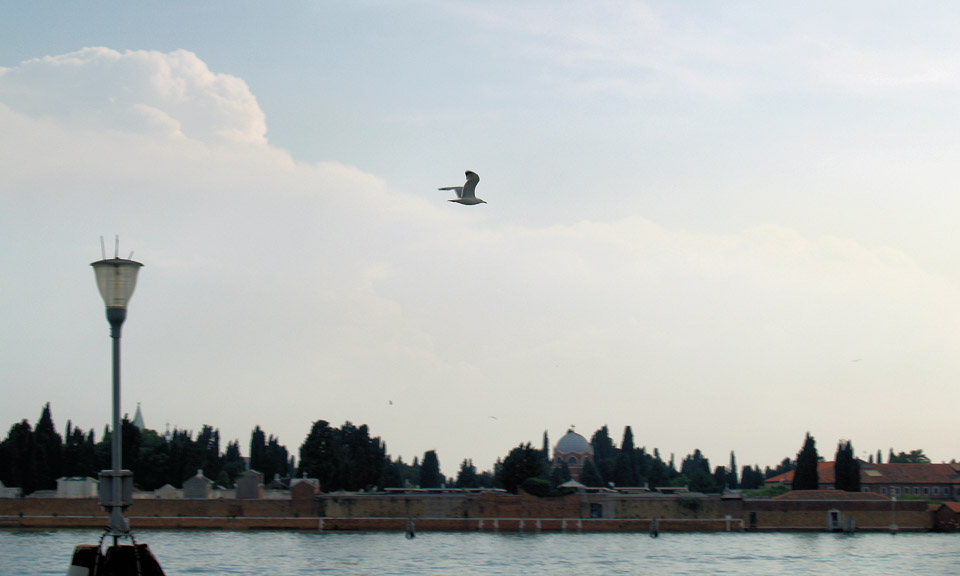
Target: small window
x: 894, y: 491
x: 883, y: 491
x: 916, y: 490
x: 926, y: 491
x: 572, y: 461
x: 936, y: 490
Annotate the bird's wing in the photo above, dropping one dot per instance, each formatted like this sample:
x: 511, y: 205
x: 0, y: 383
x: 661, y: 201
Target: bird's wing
x: 457, y: 189
x: 470, y: 187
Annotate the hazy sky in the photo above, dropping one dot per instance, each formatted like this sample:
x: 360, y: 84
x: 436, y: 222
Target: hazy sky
x: 724, y: 224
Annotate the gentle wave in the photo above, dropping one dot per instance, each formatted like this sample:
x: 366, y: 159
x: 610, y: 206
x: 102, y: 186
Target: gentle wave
x: 482, y: 554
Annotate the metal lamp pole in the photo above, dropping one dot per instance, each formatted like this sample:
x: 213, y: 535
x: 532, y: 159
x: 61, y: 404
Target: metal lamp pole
x: 116, y: 279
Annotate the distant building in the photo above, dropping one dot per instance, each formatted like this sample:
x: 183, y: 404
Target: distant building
x: 77, y: 487
x: 198, y: 487
x: 10, y: 492
x: 935, y: 481
x: 167, y: 492
x: 573, y: 450
x: 304, y: 488
x: 948, y: 517
x: 250, y: 486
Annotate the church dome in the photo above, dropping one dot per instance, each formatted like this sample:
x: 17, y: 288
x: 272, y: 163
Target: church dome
x: 573, y: 442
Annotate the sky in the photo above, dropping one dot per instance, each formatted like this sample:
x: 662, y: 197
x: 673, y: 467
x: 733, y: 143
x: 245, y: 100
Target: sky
x: 723, y: 224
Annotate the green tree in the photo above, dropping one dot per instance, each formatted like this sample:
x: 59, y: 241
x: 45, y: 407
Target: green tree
x: 276, y: 458
x: 48, y: 452
x: 233, y: 463
x: 258, y: 451
x: 719, y: 480
x: 604, y: 453
x: 732, y: 482
x: 78, y: 453
x: 320, y: 456
x: 467, y: 477
x: 559, y: 474
x: 363, y: 457
x: 185, y: 458
x: 589, y: 476
x: 696, y: 468
x: 521, y: 463
x: 912, y: 457
x: 545, y: 450
x: 430, y: 476
x: 846, y: 468
x: 153, y: 461
x: 751, y: 478
x: 658, y: 472
x: 17, y: 464
x: 625, y: 470
x: 130, y: 442
x: 208, y: 441
x: 806, y: 477
x: 786, y: 465
x: 390, y: 476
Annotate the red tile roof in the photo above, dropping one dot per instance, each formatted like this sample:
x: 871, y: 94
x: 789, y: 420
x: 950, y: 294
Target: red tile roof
x: 886, y: 474
x: 828, y: 495
x: 824, y: 472
x: 908, y: 474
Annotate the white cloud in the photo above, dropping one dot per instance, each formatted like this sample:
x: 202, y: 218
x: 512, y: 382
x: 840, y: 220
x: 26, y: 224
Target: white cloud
x: 101, y: 88
x: 291, y: 292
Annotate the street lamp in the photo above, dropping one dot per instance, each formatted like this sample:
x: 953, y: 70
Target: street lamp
x: 116, y: 279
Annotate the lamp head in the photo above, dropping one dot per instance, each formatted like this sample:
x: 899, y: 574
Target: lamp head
x: 116, y: 279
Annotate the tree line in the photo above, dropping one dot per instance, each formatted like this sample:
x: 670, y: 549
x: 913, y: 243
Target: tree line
x: 349, y: 458
x: 846, y: 466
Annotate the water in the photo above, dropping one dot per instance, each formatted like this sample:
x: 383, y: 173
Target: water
x: 480, y: 554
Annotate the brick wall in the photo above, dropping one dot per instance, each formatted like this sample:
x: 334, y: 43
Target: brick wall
x: 474, y: 511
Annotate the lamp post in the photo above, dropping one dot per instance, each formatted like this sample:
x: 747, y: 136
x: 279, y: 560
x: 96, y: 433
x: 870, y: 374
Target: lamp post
x: 116, y: 279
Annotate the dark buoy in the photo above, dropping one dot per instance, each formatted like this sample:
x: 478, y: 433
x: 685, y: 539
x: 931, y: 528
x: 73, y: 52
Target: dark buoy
x: 86, y: 558
x: 119, y: 560
x: 654, y: 530
x: 410, y: 531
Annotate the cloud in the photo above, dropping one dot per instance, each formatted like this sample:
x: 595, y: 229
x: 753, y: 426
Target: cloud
x: 174, y: 94
x: 292, y: 292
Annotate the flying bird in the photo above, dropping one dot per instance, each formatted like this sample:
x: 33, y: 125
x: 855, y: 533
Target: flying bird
x: 467, y: 194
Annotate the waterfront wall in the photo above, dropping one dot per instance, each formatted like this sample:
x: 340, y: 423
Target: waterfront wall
x: 480, y: 511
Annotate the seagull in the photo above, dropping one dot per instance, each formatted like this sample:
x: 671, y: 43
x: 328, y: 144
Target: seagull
x: 466, y: 194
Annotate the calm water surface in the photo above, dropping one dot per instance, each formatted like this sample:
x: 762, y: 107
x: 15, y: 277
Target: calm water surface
x: 431, y: 553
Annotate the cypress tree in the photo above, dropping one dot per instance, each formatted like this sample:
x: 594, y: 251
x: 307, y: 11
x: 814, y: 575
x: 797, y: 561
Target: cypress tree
x: 805, y: 477
x: 545, y: 451
x: 320, y: 456
x: 589, y: 476
x: 258, y: 450
x: 732, y: 475
x: 430, y: 470
x: 390, y: 477
x: 625, y: 471
x: 605, y: 453
x: 467, y: 477
x: 846, y: 468
x: 17, y: 465
x: 48, y: 451
x: 560, y: 474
